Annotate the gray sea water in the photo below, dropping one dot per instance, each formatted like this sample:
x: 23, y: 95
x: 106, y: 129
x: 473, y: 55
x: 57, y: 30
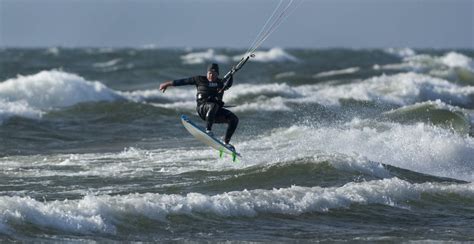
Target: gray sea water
x: 337, y: 145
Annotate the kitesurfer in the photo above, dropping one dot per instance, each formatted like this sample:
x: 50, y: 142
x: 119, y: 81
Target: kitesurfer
x: 210, y: 107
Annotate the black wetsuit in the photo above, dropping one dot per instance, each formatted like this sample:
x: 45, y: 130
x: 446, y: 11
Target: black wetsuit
x: 210, y: 104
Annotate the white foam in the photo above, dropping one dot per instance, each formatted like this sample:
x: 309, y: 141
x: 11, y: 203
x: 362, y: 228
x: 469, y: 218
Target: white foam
x: 454, y: 59
x: 50, y: 89
x: 420, y: 147
x: 71, y: 216
x: 400, y: 89
x: 359, y: 146
x: 107, y: 64
x: 438, y: 104
x: 178, y: 94
x: 31, y: 96
x: 272, y: 104
x: 131, y: 162
x: 337, y: 72
x: 275, y: 54
x: 103, y: 213
x: 261, y: 97
x: 296, y: 142
x: 258, y: 97
x: 18, y: 108
x: 268, y: 90
x: 401, y: 52
x: 440, y: 66
x: 53, y: 51
x: 204, y: 57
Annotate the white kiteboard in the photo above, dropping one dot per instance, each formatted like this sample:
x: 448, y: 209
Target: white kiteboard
x: 200, y: 134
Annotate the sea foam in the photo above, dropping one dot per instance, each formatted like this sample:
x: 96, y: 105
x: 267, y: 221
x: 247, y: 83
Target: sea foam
x: 401, y: 52
x: 49, y: 89
x: 30, y: 96
x: 454, y: 59
x: 417, y: 147
x: 330, y: 73
x: 399, y: 89
x: 452, y: 65
x: 202, y: 57
x: 272, y: 55
x: 275, y: 54
x: 104, y: 213
x: 18, y: 108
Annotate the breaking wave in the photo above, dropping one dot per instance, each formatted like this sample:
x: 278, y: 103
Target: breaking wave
x: 105, y: 213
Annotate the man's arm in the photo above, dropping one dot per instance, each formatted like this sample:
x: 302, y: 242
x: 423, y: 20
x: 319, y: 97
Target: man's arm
x: 165, y: 85
x: 181, y: 82
x: 227, y: 84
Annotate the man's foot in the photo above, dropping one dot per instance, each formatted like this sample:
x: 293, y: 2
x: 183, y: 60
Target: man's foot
x: 230, y: 146
x: 209, y: 133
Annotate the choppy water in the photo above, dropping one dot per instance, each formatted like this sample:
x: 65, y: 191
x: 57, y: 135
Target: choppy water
x: 337, y: 144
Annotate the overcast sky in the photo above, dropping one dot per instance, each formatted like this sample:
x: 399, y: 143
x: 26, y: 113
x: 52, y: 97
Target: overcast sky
x: 235, y: 23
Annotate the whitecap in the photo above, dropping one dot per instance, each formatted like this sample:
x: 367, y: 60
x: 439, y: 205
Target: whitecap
x: 203, y: 57
x: 350, y: 70
x: 401, y: 52
x: 454, y: 59
x: 400, y: 89
x: 18, y: 108
x: 52, y: 89
x: 107, y: 64
x: 275, y: 54
x: 104, y: 213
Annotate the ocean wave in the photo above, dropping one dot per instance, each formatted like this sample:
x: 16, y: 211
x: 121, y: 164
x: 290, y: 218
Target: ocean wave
x: 275, y: 54
x: 18, y: 108
x: 400, y: 89
x: 105, y: 213
x: 30, y: 96
x: 203, y: 57
x: 454, y: 59
x: 272, y: 55
x: 175, y: 94
x: 401, y: 52
x: 337, y: 72
x: 358, y: 146
x: 321, y: 170
x: 50, y: 89
x: 54, y: 51
x: 34, y: 95
x: 452, y: 65
x: 417, y: 147
x: 434, y: 112
x: 107, y: 64
x: 245, y: 97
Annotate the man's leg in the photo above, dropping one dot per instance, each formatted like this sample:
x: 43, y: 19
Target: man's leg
x: 225, y: 116
x: 208, y: 113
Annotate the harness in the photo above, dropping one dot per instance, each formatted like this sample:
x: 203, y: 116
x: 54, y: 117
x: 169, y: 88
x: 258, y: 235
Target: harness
x: 209, y: 92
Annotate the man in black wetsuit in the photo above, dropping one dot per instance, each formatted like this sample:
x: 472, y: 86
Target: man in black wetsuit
x: 210, y: 90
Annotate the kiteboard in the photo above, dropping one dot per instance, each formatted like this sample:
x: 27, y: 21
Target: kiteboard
x: 200, y: 134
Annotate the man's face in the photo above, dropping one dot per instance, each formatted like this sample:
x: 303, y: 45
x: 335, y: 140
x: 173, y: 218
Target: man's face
x: 212, y: 75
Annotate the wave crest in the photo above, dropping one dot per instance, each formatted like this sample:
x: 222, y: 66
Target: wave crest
x: 105, y: 213
x: 29, y: 96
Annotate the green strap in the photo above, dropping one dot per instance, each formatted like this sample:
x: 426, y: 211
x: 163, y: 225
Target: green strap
x: 234, y: 156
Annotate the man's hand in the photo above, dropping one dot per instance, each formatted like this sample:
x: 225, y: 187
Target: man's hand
x: 165, y: 85
x: 227, y: 84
